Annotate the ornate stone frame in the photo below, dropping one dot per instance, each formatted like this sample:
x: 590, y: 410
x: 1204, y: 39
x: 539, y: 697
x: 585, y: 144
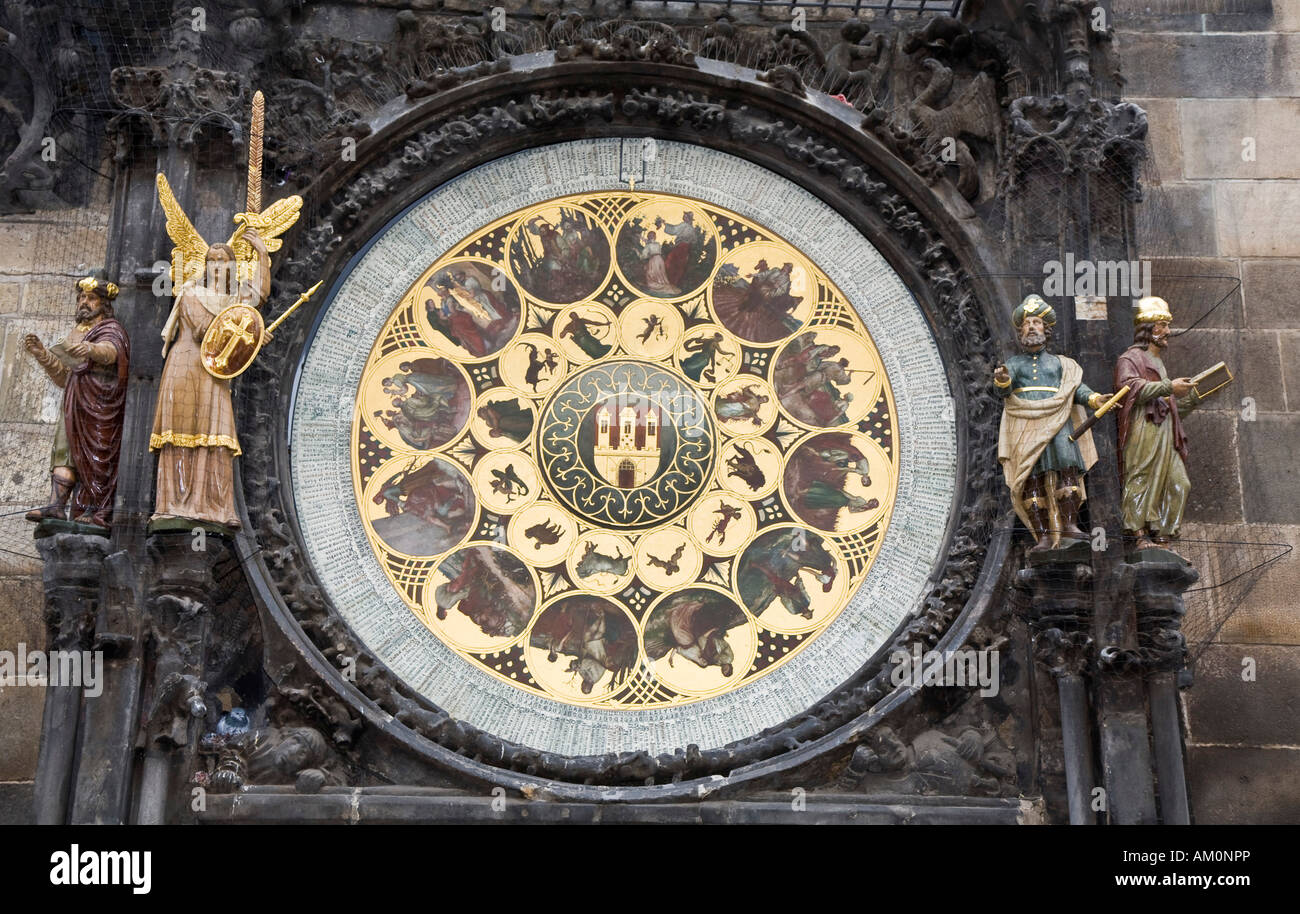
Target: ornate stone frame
x: 923, y: 230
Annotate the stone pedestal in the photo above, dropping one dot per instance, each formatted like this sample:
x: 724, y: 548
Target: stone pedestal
x: 1060, y: 600
x: 175, y: 708
x: 1160, y: 580
x: 74, y: 565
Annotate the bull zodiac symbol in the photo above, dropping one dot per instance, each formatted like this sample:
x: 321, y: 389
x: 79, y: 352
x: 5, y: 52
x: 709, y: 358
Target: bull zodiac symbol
x: 594, y: 563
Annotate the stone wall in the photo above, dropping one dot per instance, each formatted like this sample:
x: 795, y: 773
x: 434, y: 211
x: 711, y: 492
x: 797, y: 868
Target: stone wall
x: 1209, y: 80
x: 41, y: 255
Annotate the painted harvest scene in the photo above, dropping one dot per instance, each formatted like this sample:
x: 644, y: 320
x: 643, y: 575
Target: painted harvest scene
x: 625, y: 449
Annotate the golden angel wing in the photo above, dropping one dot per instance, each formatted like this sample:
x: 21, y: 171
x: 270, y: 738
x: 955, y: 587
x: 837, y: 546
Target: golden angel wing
x: 190, y: 249
x: 270, y: 223
x: 274, y: 221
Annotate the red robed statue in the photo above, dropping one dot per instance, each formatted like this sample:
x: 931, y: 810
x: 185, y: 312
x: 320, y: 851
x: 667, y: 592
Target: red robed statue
x: 92, y: 365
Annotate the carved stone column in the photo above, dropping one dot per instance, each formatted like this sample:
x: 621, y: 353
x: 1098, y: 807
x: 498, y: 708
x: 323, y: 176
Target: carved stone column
x: 167, y: 107
x: 108, y: 722
x: 1074, y: 167
x: 1160, y: 579
x: 1061, y: 603
x: 175, y: 708
x: 73, y: 567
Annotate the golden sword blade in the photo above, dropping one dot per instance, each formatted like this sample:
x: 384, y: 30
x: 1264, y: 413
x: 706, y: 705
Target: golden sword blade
x: 255, y: 130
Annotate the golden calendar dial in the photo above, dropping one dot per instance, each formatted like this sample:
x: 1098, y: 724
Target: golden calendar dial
x: 625, y: 450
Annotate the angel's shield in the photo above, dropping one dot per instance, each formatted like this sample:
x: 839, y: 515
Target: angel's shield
x: 232, y: 341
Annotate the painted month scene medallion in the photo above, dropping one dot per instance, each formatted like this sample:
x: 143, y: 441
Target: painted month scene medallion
x: 625, y: 450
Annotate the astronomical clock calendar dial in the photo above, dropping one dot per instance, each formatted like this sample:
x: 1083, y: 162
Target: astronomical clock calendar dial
x: 600, y: 467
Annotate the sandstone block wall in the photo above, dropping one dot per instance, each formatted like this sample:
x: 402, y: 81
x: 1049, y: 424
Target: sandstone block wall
x: 41, y: 256
x: 1211, y: 74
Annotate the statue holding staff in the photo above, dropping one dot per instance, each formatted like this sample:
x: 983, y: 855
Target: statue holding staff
x: 212, y: 334
x: 194, y: 421
x: 1043, y: 402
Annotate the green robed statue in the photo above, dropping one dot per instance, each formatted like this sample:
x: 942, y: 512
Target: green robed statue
x: 1043, y: 402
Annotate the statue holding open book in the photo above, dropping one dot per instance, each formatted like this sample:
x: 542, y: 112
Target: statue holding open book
x: 1152, y: 445
x: 92, y: 365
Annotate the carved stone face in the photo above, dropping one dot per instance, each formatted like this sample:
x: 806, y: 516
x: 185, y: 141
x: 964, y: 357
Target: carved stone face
x: 89, y: 306
x: 299, y: 748
x: 291, y: 755
x: 1160, y: 334
x: 1033, y: 332
x: 891, y: 751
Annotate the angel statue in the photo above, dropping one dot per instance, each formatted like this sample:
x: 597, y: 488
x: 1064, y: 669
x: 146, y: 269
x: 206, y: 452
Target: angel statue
x: 194, y: 422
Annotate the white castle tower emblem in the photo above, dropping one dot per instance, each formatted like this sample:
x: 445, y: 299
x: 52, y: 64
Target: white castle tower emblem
x: 627, y: 451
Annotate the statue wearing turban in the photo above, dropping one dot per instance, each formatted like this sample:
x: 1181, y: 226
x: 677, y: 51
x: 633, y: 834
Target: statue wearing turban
x: 1043, y: 401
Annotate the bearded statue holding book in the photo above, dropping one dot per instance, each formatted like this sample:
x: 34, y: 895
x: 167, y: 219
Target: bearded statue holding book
x: 1152, y: 445
x: 92, y: 365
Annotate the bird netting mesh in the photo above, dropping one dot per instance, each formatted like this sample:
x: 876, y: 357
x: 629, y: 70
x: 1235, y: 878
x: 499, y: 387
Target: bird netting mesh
x: 67, y: 88
x: 63, y: 58
x: 1136, y: 217
x: 1229, y: 570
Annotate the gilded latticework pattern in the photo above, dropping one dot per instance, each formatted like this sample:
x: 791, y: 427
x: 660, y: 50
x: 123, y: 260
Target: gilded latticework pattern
x: 625, y: 449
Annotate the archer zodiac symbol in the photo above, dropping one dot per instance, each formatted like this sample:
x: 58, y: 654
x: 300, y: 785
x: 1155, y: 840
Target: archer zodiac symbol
x: 587, y: 334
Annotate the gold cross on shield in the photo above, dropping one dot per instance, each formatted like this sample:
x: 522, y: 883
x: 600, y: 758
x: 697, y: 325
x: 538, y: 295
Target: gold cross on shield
x: 238, y: 334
